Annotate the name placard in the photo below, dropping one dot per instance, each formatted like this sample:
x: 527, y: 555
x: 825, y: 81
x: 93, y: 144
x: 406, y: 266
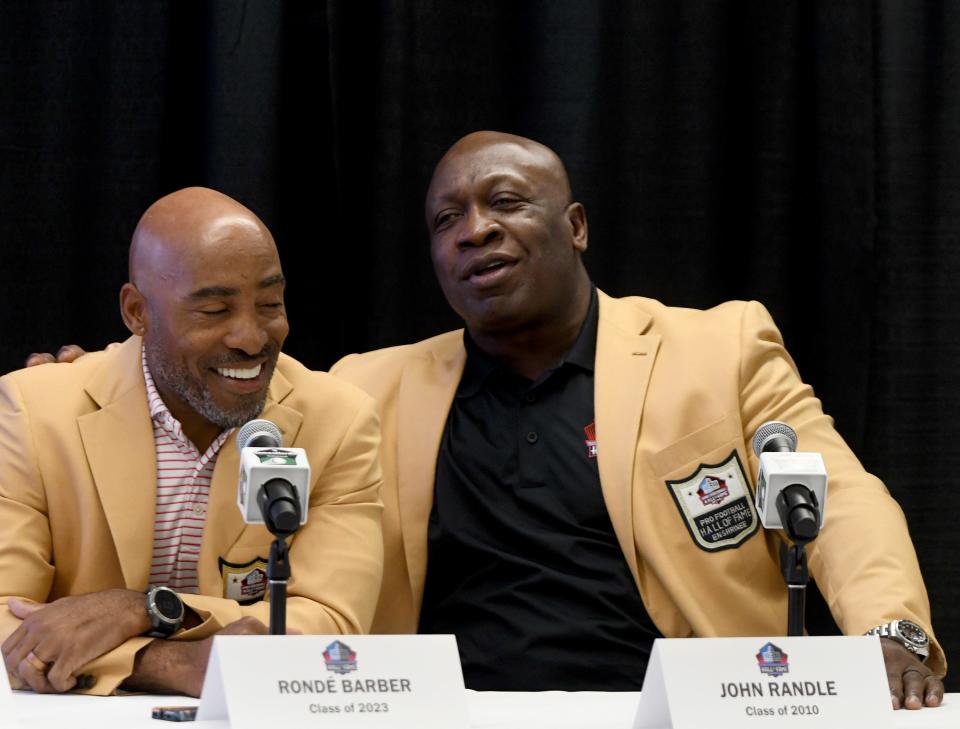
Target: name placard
x: 733, y: 683
x: 7, y: 710
x: 355, y: 681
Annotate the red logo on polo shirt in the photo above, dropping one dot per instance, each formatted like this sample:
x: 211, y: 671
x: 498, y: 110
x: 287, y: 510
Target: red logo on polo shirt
x: 591, y: 441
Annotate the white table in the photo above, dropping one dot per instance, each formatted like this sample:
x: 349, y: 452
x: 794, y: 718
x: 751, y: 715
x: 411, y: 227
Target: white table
x: 488, y: 710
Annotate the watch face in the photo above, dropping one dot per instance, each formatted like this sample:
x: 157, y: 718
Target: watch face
x: 912, y: 632
x: 168, y: 604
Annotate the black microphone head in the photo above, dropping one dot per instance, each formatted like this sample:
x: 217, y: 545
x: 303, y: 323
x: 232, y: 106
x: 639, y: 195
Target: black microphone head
x: 774, y: 436
x: 279, y: 506
x: 259, y: 434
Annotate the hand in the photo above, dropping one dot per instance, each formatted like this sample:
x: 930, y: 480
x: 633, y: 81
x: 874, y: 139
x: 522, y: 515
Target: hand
x: 179, y: 666
x: 55, y: 640
x: 912, y: 684
x: 66, y: 353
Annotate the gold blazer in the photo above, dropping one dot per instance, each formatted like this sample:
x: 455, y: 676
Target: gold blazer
x: 676, y: 390
x: 78, y: 485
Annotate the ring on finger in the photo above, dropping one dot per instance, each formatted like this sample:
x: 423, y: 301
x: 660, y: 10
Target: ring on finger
x: 38, y: 663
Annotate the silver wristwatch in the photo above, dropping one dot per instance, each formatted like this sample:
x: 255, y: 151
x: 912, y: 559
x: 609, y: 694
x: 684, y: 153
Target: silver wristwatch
x: 165, y: 610
x: 908, y: 634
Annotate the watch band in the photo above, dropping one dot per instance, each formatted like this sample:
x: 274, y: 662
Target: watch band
x: 908, y: 634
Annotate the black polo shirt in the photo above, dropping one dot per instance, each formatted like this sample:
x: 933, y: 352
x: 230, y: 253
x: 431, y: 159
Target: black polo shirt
x: 524, y: 566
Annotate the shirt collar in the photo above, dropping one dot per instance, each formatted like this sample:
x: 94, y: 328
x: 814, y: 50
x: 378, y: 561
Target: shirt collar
x: 584, y: 349
x: 480, y: 365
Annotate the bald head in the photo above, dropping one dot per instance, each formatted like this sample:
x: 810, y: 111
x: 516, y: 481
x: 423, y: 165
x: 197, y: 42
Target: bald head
x: 490, y: 148
x: 184, y: 223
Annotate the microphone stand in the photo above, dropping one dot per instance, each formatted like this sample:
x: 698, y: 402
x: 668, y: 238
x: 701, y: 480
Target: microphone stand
x: 281, y: 515
x: 800, y: 516
x: 793, y: 564
x: 278, y: 572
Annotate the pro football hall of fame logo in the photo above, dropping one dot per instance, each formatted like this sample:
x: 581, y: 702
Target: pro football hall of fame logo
x: 340, y: 658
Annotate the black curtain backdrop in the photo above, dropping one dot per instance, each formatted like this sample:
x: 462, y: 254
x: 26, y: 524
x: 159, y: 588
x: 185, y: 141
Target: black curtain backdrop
x: 802, y: 153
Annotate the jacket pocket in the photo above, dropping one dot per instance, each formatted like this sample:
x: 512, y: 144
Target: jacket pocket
x: 707, y: 445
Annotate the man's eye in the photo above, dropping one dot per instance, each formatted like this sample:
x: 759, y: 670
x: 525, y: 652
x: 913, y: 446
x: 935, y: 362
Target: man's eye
x: 444, y: 218
x: 504, y: 202
x: 213, y: 312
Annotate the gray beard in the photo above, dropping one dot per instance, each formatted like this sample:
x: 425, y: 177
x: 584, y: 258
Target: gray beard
x: 174, y: 378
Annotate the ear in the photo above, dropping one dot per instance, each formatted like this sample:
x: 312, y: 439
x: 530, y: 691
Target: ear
x: 133, y: 309
x: 577, y: 217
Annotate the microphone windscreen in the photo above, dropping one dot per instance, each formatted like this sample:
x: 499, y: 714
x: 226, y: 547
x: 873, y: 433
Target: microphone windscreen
x: 771, y: 429
x: 259, y: 433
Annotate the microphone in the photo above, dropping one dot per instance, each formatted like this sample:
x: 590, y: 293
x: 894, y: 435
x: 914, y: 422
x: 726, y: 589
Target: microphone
x: 274, y: 481
x: 791, y: 486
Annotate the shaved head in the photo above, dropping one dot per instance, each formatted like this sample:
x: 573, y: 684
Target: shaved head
x: 506, y: 147
x: 181, y: 222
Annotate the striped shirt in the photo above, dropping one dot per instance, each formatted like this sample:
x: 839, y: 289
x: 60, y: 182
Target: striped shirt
x: 183, y: 487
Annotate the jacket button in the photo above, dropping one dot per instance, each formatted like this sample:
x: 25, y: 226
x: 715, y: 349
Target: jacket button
x: 532, y: 437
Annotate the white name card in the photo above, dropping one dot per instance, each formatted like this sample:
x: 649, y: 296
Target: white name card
x: 738, y: 683
x: 355, y: 681
x: 8, y: 712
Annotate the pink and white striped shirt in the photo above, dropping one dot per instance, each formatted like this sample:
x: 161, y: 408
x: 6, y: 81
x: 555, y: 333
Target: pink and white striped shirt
x: 183, y: 487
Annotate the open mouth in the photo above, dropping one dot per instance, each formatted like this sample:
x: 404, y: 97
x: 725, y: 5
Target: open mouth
x: 491, y: 270
x: 238, y: 373
x: 491, y: 267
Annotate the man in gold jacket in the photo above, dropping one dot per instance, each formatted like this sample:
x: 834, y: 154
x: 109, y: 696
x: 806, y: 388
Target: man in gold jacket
x: 480, y: 539
x: 79, y: 469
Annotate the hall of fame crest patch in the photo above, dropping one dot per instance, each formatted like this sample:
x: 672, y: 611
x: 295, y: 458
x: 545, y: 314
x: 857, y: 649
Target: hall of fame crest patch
x: 716, y: 504
x: 246, y: 583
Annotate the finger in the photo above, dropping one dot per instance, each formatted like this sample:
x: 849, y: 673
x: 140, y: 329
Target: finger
x: 38, y: 358
x: 69, y: 353
x: 913, y: 689
x: 35, y: 679
x: 36, y: 662
x: 55, y: 660
x: 24, y: 608
x: 15, y: 649
x: 15, y: 683
x: 896, y: 689
x: 933, y: 695
x: 61, y: 676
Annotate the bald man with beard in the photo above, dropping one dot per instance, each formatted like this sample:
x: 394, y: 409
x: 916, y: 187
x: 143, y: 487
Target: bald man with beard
x: 118, y: 475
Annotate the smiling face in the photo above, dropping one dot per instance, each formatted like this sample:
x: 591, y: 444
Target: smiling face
x: 505, y: 238
x: 208, y: 298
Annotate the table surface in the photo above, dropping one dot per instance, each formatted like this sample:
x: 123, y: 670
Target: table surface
x: 487, y: 710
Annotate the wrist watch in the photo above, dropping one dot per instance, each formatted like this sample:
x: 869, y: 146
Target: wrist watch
x: 908, y: 634
x: 165, y: 609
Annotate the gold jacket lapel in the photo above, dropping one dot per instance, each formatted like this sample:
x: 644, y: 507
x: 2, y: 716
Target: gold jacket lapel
x: 118, y: 441
x: 222, y: 532
x: 624, y: 361
x: 427, y: 388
